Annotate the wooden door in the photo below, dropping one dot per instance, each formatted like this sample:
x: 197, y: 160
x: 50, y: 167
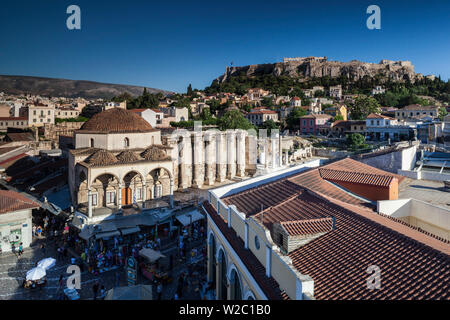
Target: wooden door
x: 126, y: 196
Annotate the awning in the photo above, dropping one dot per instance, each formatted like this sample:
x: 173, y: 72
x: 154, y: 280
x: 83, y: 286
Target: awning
x: 104, y: 235
x: 189, y: 217
x: 151, y: 254
x: 126, y: 231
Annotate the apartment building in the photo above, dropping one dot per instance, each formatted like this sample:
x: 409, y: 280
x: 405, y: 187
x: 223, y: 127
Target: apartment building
x: 39, y: 114
x: 415, y: 111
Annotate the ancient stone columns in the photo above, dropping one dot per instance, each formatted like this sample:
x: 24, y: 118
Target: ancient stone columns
x: 210, y: 157
x: 231, y: 154
x: 240, y: 150
x: 90, y: 203
x: 199, y: 166
x: 221, y: 156
x: 185, y: 160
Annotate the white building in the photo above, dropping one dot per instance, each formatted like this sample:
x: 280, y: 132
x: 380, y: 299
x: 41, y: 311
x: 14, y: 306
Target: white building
x: 15, y: 220
x: 153, y: 116
x: 378, y: 90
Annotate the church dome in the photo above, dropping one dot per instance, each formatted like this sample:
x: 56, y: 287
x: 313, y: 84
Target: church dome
x: 117, y: 120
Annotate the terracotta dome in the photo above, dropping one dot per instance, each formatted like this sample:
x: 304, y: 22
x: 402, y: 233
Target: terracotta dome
x: 127, y: 156
x: 117, y: 120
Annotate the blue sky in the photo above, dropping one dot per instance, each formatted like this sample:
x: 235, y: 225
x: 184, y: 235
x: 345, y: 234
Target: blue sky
x: 169, y: 44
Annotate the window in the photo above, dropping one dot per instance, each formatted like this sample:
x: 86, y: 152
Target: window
x: 34, y: 120
x: 94, y: 199
x: 110, y: 197
x: 371, y: 122
x: 34, y: 112
x: 138, y: 193
x: 257, y: 244
x: 126, y: 142
x: 92, y: 143
x: 48, y: 112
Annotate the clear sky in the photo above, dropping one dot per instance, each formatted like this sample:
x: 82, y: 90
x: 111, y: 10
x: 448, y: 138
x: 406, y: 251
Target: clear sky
x: 169, y: 44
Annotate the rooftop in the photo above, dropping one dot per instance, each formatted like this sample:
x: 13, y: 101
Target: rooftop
x: 116, y: 120
x: 432, y: 192
x: 414, y: 265
x: 13, y: 201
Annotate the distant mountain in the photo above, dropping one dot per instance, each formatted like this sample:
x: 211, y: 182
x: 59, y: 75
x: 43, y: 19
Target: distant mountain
x: 52, y: 87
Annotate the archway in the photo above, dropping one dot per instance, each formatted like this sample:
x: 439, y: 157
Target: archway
x: 235, y: 286
x: 222, y: 280
x: 132, y: 189
x: 104, y: 190
x: 158, y: 183
x: 212, y: 262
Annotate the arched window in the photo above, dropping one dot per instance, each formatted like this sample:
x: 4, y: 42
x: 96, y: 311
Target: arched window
x: 126, y: 142
x: 92, y: 143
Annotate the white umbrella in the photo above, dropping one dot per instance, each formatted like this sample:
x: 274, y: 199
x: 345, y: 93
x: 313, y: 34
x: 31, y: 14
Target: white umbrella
x: 46, y: 263
x: 36, y: 274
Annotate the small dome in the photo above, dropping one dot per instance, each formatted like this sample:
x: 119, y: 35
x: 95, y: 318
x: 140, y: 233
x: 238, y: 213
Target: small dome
x: 102, y: 157
x: 117, y: 120
x: 127, y: 156
x: 154, y: 153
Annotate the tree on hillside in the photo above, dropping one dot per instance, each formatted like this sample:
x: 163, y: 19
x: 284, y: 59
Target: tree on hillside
x: 442, y: 113
x: 234, y: 119
x: 363, y: 106
x: 269, y: 125
x: 189, y: 90
x: 293, y: 119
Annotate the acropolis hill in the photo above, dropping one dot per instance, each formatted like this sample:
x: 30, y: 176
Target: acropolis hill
x: 306, y: 68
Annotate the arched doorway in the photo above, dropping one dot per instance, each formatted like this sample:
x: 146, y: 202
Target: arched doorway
x: 104, y: 190
x: 222, y: 280
x: 158, y: 182
x: 235, y: 284
x: 132, y: 191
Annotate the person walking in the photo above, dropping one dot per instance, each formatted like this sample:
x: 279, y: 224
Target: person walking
x: 102, y: 293
x: 20, y: 249
x: 95, y: 289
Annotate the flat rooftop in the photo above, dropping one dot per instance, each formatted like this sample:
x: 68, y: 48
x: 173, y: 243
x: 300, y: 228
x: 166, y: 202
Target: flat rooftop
x: 432, y: 192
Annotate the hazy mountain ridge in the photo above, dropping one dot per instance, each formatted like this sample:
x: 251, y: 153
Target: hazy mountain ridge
x: 54, y: 87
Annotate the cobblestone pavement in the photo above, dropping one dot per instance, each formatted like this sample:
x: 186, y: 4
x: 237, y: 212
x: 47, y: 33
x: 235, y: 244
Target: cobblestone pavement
x: 13, y: 271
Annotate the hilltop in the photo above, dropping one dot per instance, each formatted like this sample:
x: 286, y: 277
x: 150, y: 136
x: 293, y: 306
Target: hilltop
x: 52, y: 87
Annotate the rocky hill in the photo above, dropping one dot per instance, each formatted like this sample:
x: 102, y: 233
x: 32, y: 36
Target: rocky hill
x: 52, y: 87
x: 316, y: 67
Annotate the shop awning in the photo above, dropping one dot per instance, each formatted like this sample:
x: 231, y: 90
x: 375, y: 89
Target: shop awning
x: 126, y: 231
x: 104, y: 235
x: 189, y: 217
x: 151, y: 254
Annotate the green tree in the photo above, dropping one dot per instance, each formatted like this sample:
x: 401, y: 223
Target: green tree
x: 442, y: 113
x: 267, y: 102
x: 338, y: 117
x: 269, y: 125
x: 293, y: 119
x: 356, y: 141
x: 189, y: 90
x: 234, y: 119
x: 363, y: 106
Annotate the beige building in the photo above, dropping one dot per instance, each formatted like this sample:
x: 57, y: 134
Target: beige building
x: 66, y: 113
x: 11, y: 122
x: 5, y: 111
x: 258, y: 117
x: 39, y: 114
x: 416, y: 111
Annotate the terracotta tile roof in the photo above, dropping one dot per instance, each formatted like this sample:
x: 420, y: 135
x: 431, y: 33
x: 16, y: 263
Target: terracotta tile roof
x: 414, y: 265
x: 413, y: 107
x: 155, y: 153
x: 356, y: 177
x: 13, y: 118
x: 263, y: 112
x: 127, y: 156
x: 13, y: 201
x: 378, y: 116
x: 101, y: 158
x: 116, y: 120
x: 19, y: 136
x: 311, y: 226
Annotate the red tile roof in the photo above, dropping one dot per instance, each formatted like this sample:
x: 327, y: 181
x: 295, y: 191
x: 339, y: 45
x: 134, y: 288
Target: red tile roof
x: 378, y: 116
x: 312, y: 226
x: 13, y: 201
x: 414, y: 265
x: 356, y: 177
